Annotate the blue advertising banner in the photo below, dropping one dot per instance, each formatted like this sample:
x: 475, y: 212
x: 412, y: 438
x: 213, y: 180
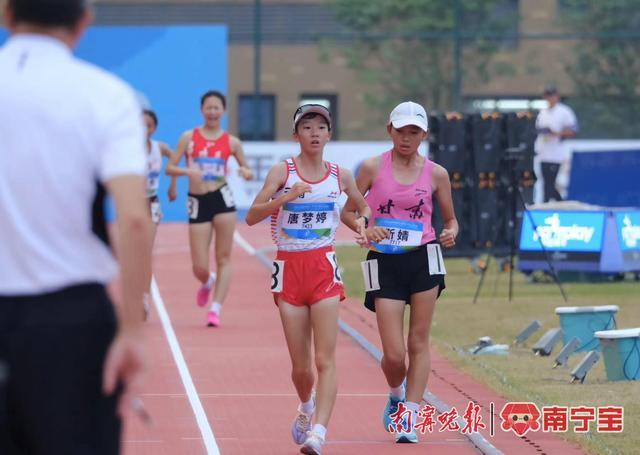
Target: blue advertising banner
x: 628, y: 226
x: 563, y: 231
x: 607, y: 178
x: 170, y: 67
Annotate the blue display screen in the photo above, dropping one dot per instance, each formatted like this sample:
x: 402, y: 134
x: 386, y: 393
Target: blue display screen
x: 562, y: 231
x: 628, y: 225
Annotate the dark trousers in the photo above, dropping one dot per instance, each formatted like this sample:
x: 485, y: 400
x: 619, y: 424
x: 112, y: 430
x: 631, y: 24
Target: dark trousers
x: 549, y: 175
x: 52, y: 351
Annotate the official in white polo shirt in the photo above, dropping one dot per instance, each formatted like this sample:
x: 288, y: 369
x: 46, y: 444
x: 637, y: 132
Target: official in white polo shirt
x: 66, y: 129
x: 554, y: 124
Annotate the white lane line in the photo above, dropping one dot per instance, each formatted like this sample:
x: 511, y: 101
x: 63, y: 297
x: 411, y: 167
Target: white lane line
x: 201, y: 417
x: 244, y: 244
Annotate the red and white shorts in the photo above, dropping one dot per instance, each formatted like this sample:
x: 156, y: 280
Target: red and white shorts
x: 306, y: 277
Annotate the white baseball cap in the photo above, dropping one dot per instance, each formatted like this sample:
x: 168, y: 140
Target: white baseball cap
x: 311, y: 109
x: 409, y: 113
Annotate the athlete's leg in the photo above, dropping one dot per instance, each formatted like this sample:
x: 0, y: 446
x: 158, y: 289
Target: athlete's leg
x: 296, y: 324
x: 324, y: 320
x: 199, y: 243
x: 390, y: 317
x: 224, y: 225
x: 422, y: 308
x: 550, y: 175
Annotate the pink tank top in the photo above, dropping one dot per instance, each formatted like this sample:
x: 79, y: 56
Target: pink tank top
x: 404, y: 210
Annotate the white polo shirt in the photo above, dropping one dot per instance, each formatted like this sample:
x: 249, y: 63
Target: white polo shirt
x: 64, y: 126
x: 551, y: 149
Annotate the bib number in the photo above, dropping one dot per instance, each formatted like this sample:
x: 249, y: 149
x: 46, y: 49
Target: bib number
x: 277, y: 276
x: 227, y: 196
x: 192, y: 207
x: 436, y: 261
x: 370, y: 275
x: 156, y: 212
x: 333, y: 260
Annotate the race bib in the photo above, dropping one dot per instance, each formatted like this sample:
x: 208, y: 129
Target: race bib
x: 307, y: 220
x: 227, y: 196
x: 370, y: 275
x: 435, y: 259
x: 192, y: 207
x: 277, y: 276
x: 212, y: 168
x: 156, y: 212
x: 333, y: 260
x: 153, y: 182
x: 403, y: 236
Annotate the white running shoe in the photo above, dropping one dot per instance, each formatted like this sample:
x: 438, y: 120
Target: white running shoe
x: 301, y: 425
x: 313, y: 444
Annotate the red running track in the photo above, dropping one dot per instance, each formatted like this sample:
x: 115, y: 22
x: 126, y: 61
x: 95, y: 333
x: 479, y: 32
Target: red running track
x: 240, y: 373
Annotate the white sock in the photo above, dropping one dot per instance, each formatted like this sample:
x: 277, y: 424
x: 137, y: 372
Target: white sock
x: 397, y: 392
x: 415, y: 409
x: 211, y: 280
x: 320, y: 430
x: 216, y: 308
x: 309, y: 406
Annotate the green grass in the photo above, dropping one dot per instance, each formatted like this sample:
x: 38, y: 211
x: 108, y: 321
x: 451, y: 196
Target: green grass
x: 521, y: 376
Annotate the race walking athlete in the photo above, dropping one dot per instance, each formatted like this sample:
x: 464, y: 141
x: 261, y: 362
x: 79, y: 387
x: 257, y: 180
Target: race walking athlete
x: 156, y: 150
x: 301, y: 196
x: 404, y: 265
x: 210, y: 203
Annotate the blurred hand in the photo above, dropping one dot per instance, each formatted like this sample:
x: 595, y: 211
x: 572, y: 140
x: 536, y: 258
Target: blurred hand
x: 173, y: 193
x: 245, y: 173
x: 377, y: 234
x: 447, y: 238
x: 126, y: 364
x: 297, y: 190
x: 361, y: 236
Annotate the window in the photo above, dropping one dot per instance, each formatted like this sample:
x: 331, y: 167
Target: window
x: 330, y: 101
x: 265, y: 130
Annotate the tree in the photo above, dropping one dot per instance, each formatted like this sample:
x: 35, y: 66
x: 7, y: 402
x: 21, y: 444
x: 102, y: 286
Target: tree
x: 404, y: 49
x: 606, y: 70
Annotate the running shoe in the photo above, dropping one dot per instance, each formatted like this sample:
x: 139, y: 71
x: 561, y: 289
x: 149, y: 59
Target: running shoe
x: 389, y: 409
x: 407, y: 437
x: 302, y: 424
x: 312, y: 445
x: 213, y: 319
x: 202, y: 297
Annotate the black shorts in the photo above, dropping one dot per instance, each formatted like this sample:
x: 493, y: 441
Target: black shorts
x: 202, y: 208
x: 52, y: 352
x: 398, y: 276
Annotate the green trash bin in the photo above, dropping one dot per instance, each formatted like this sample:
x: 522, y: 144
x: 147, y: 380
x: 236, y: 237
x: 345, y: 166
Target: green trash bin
x: 584, y: 321
x: 621, y: 352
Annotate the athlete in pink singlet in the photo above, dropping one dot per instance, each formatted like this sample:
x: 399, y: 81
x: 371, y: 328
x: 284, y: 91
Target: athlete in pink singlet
x: 404, y: 264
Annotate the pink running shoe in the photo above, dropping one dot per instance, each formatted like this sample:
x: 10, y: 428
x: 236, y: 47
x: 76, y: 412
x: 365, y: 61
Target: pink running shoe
x: 213, y: 319
x: 202, y: 297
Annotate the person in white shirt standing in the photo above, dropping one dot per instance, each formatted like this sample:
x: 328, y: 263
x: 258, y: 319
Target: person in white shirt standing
x: 554, y: 125
x: 68, y: 132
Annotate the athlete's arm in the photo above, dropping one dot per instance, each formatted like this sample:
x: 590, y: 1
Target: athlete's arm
x: 442, y: 189
x: 263, y: 205
x: 126, y: 361
x: 167, y: 152
x: 356, y: 212
x: 238, y: 151
x: 172, y: 166
x: 364, y: 180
